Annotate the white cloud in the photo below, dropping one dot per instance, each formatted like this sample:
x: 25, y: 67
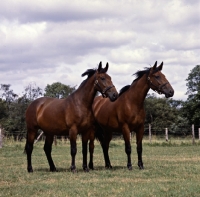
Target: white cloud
x: 49, y: 41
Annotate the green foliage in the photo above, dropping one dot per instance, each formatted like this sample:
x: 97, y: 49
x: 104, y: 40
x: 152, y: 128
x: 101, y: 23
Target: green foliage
x: 192, y: 105
x: 163, y: 113
x: 12, y: 116
x: 193, y: 82
x: 58, y: 90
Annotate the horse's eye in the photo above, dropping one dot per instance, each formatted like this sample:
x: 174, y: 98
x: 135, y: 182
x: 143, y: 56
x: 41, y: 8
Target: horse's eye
x: 157, y: 76
x: 103, y: 78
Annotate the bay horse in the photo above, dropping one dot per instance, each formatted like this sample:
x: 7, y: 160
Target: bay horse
x: 127, y: 113
x: 70, y: 116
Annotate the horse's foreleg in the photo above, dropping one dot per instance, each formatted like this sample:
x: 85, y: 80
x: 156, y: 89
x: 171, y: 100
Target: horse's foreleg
x: 126, y: 135
x: 73, y: 147
x: 47, y: 150
x: 73, y: 155
x: 139, y: 136
x: 91, y: 150
x: 84, y: 152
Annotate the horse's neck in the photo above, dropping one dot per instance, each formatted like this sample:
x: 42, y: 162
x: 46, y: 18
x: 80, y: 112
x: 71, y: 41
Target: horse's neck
x: 86, y: 92
x: 138, y: 91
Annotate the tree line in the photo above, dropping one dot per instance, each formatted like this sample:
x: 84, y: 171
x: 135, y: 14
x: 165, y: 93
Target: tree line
x: 13, y: 107
x: 176, y: 115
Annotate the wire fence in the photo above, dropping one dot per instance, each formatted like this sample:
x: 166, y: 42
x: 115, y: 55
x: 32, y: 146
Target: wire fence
x: 150, y: 134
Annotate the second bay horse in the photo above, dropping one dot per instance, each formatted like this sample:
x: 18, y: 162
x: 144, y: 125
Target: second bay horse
x: 127, y: 113
x: 70, y: 116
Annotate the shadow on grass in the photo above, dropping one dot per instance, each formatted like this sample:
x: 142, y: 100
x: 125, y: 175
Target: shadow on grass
x: 96, y: 168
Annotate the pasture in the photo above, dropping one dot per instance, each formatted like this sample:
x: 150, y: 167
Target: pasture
x: 171, y: 169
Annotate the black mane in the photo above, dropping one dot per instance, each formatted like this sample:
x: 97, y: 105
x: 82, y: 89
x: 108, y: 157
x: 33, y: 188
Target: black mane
x: 89, y: 72
x: 124, y: 89
x: 140, y: 73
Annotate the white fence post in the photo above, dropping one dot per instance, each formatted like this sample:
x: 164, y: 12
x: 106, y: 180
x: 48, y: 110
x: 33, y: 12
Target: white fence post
x: 1, y: 139
x: 193, y: 135
x: 150, y: 133
x: 38, y: 137
x: 166, y: 134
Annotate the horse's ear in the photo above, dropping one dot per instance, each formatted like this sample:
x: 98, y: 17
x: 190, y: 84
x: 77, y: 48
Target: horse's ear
x: 160, y: 67
x: 155, y: 65
x: 100, y: 67
x: 106, y: 68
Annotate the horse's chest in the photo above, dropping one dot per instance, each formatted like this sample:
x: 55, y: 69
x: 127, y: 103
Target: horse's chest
x: 137, y: 119
x: 84, y: 120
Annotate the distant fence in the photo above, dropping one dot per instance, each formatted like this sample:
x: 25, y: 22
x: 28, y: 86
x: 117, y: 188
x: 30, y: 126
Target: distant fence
x: 1, y: 139
x: 193, y: 133
x: 163, y: 134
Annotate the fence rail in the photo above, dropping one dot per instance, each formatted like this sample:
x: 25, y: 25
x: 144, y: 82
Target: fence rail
x: 150, y: 133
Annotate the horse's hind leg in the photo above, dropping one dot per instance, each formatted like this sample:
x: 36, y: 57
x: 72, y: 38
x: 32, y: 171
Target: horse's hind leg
x: 105, y: 147
x: 91, y: 150
x: 29, y: 147
x: 47, y: 150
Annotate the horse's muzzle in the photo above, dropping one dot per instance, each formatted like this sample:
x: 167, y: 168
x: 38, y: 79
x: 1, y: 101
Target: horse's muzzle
x: 112, y: 96
x: 169, y: 93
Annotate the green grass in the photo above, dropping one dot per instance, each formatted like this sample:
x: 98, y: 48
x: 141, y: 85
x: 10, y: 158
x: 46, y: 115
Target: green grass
x: 171, y: 169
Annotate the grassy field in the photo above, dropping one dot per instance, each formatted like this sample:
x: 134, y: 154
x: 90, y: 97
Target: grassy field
x: 171, y: 169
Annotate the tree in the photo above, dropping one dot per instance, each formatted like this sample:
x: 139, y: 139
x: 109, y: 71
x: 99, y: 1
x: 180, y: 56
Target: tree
x: 165, y: 113
x: 12, y: 118
x: 192, y: 105
x: 58, y: 90
x: 193, y: 82
x: 159, y: 113
x: 8, y: 98
x: 32, y: 92
x: 8, y: 95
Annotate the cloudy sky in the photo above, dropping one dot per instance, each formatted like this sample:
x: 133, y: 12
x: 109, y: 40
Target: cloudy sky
x: 47, y: 41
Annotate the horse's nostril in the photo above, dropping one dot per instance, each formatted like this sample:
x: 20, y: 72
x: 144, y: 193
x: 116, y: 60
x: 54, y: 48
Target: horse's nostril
x: 171, y: 92
x: 114, y: 95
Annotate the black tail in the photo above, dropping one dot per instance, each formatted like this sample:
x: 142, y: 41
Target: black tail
x: 99, y: 133
x: 25, y: 148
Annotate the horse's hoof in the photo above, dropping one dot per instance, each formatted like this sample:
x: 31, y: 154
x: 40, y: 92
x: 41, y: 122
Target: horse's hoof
x: 141, y: 167
x: 30, y: 170
x: 86, y: 169
x: 108, y: 167
x: 130, y: 167
x: 73, y: 169
x: 53, y: 170
x: 91, y: 167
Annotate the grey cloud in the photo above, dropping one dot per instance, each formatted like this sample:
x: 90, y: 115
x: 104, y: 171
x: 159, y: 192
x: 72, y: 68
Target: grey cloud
x: 45, y: 40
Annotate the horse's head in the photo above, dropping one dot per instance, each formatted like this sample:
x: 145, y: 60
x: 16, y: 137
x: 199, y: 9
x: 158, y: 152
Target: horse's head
x: 103, y: 83
x: 158, y: 82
